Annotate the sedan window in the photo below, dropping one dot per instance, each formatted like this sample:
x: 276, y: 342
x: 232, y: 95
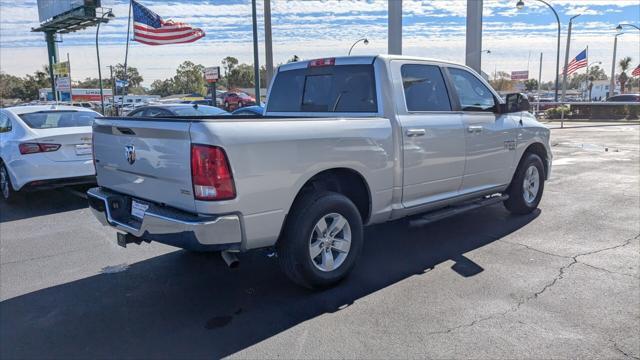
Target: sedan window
x: 198, y: 110
x: 5, y: 123
x: 58, y: 119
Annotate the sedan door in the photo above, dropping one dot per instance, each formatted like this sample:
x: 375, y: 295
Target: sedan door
x: 490, y: 137
x: 433, y: 137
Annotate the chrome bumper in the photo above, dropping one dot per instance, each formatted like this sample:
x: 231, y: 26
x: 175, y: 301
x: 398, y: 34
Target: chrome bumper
x: 166, y: 225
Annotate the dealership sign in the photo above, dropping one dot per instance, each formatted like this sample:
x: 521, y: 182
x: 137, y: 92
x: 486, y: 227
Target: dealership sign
x: 520, y: 75
x: 63, y: 84
x: 212, y: 74
x: 61, y: 68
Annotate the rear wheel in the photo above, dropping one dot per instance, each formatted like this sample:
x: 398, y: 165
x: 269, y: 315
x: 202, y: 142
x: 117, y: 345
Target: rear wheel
x: 525, y: 191
x: 6, y: 189
x: 322, y: 240
x: 226, y: 105
x: 240, y: 104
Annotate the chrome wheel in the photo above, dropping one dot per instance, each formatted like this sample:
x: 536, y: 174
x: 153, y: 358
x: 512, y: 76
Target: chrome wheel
x: 330, y: 242
x: 4, y: 182
x: 531, y: 184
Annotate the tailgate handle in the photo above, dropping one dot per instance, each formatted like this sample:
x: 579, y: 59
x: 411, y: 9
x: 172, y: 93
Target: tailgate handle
x: 125, y: 131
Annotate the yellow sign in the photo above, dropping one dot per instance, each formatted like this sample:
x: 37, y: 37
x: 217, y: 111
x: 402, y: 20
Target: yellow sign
x: 61, y: 68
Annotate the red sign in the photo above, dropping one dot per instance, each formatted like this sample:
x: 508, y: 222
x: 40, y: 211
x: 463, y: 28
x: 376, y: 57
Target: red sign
x: 520, y: 75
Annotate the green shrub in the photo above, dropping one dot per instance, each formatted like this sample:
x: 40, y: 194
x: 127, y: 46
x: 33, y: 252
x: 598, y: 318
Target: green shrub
x: 556, y: 112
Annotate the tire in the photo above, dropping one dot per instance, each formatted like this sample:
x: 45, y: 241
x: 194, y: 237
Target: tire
x: 226, y: 105
x: 301, y: 236
x: 524, y: 200
x: 6, y: 188
x: 240, y: 105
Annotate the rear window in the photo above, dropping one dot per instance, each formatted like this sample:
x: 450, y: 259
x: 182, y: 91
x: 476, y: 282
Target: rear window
x: 342, y: 88
x: 197, y: 111
x: 58, y: 119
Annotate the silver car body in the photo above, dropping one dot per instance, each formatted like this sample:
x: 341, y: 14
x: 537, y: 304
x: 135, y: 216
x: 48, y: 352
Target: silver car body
x: 411, y: 162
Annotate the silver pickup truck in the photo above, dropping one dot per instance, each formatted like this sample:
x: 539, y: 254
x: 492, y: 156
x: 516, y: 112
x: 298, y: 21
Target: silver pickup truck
x: 346, y: 142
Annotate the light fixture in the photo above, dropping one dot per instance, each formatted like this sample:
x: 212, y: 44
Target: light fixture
x: 520, y: 5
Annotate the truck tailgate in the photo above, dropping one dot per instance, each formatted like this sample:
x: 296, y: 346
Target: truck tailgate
x: 146, y: 159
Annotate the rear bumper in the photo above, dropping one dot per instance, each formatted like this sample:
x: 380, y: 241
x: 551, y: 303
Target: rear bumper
x: 56, y: 183
x: 166, y: 225
x: 36, y: 168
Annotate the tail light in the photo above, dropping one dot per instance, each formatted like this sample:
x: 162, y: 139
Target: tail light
x: 211, y: 173
x: 322, y: 62
x: 32, y: 148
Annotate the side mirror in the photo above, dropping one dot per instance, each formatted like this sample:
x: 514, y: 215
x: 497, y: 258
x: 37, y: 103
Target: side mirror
x: 516, y: 102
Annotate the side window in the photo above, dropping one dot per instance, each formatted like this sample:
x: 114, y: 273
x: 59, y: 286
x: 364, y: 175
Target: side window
x: 5, y: 123
x: 424, y: 88
x: 473, y: 94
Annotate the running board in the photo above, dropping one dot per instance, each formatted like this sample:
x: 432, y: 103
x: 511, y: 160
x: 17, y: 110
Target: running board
x: 456, y: 209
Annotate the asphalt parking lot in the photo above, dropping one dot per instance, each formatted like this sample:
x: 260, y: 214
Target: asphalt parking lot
x: 563, y: 282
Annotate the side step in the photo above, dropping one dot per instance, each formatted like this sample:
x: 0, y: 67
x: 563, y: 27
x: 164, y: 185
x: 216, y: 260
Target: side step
x: 456, y: 209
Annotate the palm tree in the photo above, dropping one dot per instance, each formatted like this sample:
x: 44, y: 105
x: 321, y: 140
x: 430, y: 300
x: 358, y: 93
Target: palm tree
x: 623, y: 77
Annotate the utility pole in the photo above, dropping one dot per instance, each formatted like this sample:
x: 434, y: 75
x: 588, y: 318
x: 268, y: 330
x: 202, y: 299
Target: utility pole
x: 612, y: 83
x: 256, y: 65
x: 539, y: 82
x: 268, y: 48
x: 394, y: 27
x: 566, y: 58
x: 113, y: 91
x: 52, y: 51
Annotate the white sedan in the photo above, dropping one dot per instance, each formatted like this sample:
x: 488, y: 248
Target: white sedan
x: 45, y: 146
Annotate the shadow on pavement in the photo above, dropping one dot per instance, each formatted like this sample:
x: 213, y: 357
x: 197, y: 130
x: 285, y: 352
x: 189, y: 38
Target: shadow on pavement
x: 183, y: 305
x: 45, y: 202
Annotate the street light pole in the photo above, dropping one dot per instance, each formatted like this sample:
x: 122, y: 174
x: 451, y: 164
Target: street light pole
x: 566, y: 58
x: 520, y: 5
x: 612, y: 81
x: 620, y: 26
x: 110, y: 15
x: 364, y: 41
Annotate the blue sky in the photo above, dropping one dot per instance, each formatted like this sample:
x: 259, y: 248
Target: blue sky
x: 317, y: 28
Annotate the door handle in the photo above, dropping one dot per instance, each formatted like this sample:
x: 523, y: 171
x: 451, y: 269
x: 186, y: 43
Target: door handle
x: 416, y: 132
x: 474, y: 128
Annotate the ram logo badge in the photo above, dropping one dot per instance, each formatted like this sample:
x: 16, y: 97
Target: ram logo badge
x: 130, y: 154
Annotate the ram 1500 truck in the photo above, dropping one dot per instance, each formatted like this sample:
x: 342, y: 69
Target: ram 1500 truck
x: 346, y: 142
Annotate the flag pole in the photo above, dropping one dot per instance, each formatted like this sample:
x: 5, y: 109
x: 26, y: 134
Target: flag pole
x: 126, y: 56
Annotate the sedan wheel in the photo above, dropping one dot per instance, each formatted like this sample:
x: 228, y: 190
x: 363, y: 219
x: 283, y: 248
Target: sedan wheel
x: 8, y: 194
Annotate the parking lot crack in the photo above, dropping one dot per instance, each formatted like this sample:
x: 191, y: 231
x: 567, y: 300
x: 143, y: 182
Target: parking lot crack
x: 560, y: 275
x: 618, y: 349
x: 536, y: 250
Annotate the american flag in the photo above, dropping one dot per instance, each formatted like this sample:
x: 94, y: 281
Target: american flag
x: 577, y: 62
x: 636, y: 71
x: 149, y: 28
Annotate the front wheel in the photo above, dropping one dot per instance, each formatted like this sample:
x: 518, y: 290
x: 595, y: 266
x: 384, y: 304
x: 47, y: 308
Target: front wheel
x: 321, y: 241
x: 525, y: 191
